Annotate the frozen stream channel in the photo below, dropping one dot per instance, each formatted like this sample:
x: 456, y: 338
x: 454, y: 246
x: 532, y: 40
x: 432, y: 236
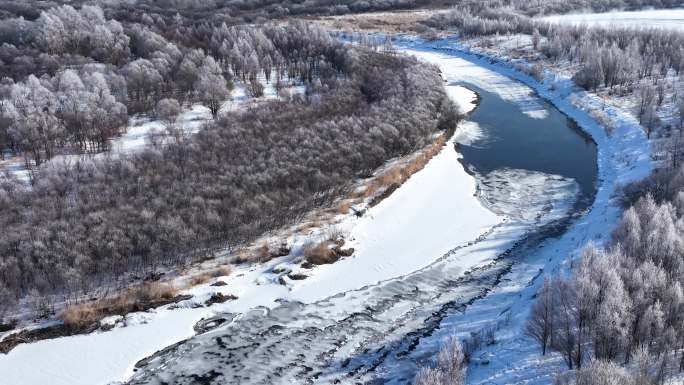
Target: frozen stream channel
x: 536, y: 172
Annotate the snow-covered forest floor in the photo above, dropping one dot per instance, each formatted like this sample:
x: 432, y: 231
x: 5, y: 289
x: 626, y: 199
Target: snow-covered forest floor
x: 143, y: 131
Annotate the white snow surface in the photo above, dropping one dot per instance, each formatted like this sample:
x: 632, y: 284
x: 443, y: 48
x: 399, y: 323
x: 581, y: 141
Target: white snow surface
x: 455, y: 69
x: 660, y: 18
x: 436, y: 206
x: 99, y: 357
x: 465, y: 99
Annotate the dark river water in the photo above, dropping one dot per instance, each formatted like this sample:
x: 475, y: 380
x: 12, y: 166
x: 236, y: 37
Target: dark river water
x: 553, y: 144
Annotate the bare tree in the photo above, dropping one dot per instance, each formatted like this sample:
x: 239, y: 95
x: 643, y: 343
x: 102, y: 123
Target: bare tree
x: 565, y: 338
x: 539, y: 325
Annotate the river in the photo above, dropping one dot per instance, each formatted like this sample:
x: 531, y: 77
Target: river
x: 532, y: 164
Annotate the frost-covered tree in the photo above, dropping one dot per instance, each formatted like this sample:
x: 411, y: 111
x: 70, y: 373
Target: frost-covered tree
x: 211, y: 87
x: 450, y: 368
x: 168, y: 110
x: 603, y: 373
x: 64, y: 29
x: 143, y: 80
x: 36, y: 127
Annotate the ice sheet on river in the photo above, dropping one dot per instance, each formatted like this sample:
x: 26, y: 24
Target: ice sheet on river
x: 528, y: 196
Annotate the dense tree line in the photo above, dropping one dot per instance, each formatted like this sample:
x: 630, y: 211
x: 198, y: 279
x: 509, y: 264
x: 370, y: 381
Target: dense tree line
x: 622, y: 61
x: 100, y: 221
x: 608, y: 56
x: 546, y: 7
x: 41, y: 115
x: 71, y: 77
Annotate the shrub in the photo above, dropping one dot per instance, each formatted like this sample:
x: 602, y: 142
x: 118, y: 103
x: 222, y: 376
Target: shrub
x: 139, y: 298
x: 206, y: 276
x: 82, y: 316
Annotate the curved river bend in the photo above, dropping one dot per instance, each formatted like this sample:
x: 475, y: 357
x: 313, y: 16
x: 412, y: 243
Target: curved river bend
x: 533, y: 165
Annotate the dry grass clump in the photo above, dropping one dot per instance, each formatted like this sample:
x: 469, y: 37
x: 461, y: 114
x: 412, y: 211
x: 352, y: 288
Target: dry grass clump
x: 80, y: 316
x: 321, y: 253
x: 344, y: 206
x: 199, y: 279
x: 263, y: 253
x: 241, y: 256
x: 142, y: 297
x: 328, y: 251
x: 207, y: 276
x: 152, y: 291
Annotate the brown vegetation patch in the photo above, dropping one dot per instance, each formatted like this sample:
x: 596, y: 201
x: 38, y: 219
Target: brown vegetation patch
x: 325, y: 252
x: 143, y: 297
x: 321, y: 253
x: 344, y: 207
x: 265, y: 252
x: 395, y: 21
x: 85, y: 317
x: 390, y: 180
x: 207, y: 276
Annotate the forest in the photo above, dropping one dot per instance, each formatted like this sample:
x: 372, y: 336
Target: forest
x: 95, y: 223
x: 72, y: 77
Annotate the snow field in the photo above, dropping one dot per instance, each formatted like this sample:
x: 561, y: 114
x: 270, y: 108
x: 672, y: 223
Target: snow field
x: 658, y: 18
